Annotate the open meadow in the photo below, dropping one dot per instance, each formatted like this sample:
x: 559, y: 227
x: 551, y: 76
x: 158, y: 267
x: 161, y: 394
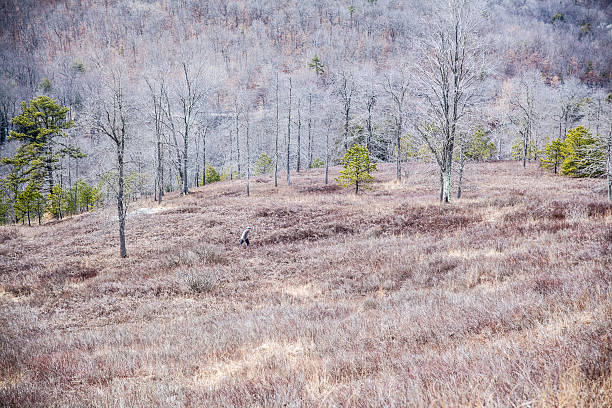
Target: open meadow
x: 501, y: 298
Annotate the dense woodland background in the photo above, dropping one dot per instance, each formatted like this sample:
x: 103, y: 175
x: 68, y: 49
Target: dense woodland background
x: 222, y: 82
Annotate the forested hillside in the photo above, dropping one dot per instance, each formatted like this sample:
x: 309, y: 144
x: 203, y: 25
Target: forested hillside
x: 225, y: 83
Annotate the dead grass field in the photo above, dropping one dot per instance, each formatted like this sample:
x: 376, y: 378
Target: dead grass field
x: 502, y: 298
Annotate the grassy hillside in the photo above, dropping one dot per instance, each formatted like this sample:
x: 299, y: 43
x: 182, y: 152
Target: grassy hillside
x: 382, y: 299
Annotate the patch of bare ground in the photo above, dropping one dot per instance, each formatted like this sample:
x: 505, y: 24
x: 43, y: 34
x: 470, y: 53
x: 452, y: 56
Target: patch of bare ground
x: 501, y: 298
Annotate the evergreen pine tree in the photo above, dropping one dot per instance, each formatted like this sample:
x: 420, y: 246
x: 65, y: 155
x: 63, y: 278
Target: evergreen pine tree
x: 480, y: 147
x: 263, y: 165
x: 580, y: 150
x: 357, y: 168
x: 40, y: 128
x: 553, y: 152
x: 57, y: 202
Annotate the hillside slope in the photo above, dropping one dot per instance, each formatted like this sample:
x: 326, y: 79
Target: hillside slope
x: 382, y: 299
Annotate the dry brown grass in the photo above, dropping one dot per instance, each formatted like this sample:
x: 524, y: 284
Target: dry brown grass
x: 384, y: 299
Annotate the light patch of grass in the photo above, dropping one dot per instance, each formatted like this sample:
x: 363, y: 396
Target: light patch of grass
x: 307, y: 291
x: 251, y: 363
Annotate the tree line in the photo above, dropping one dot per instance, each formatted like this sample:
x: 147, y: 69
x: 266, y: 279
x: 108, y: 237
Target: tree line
x: 244, y: 94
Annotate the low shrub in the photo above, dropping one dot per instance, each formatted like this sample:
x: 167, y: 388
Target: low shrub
x: 200, y: 280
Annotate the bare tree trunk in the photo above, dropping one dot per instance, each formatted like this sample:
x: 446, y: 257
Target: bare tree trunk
x: 160, y: 179
x: 347, y: 109
x: 448, y: 165
x: 276, y: 140
x: 609, y: 164
x: 71, y: 196
x: 309, y: 130
x: 370, y: 105
x: 50, y: 173
x: 525, y: 144
x: 299, y: 137
x: 185, y: 178
x: 231, y: 147
x: 120, y: 206
x: 237, y: 141
x: 397, y: 90
x: 609, y: 177
x: 248, y: 152
x: 289, y: 137
x: 598, y: 115
x: 398, y: 160
x: 204, y: 158
x: 197, y: 161
x: 187, y: 103
x: 461, y: 163
x: 446, y: 185
x: 327, y: 153
x: 157, y: 119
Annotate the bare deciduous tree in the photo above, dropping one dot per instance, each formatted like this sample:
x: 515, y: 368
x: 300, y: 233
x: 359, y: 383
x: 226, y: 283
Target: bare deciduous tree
x: 397, y: 88
x: 345, y: 90
x: 276, y: 139
x: 310, y: 130
x: 524, y: 113
x: 156, y: 92
x: 111, y: 116
x: 450, y: 64
x: 289, y: 137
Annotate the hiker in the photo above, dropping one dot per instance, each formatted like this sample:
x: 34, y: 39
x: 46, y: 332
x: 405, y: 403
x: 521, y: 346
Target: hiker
x: 244, y: 238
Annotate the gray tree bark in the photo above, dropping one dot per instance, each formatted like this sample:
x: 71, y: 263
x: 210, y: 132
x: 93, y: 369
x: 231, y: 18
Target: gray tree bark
x: 121, y: 213
x: 204, y: 156
x: 609, y: 164
x: 248, y: 153
x: 370, y: 105
x: 299, y: 136
x: 289, y: 137
x: 461, y: 164
x: 276, y: 140
x: 453, y: 62
x: 327, y: 152
x: 347, y: 110
x: 157, y: 119
x: 112, y: 121
x: 309, y: 130
x: 237, y: 139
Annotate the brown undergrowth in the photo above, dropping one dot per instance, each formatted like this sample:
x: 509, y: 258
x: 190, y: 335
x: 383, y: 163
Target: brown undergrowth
x: 501, y: 298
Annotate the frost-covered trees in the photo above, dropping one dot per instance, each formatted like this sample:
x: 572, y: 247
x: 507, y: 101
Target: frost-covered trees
x: 450, y: 65
x: 525, y: 111
x: 200, y: 73
x: 113, y: 114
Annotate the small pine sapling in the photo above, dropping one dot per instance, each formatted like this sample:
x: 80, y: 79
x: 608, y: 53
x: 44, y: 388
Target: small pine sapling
x: 357, y: 168
x: 554, y: 156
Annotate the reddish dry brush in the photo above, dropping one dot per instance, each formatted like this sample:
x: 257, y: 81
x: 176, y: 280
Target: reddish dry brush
x: 382, y: 299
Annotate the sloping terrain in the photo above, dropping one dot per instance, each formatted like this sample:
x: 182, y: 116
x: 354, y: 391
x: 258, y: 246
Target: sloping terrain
x: 382, y: 299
